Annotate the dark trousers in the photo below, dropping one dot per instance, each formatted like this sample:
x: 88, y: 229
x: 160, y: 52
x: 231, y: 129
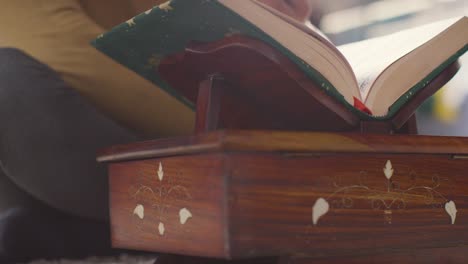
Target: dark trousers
x: 49, y: 136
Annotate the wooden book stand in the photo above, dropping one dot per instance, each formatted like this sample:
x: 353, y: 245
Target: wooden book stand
x: 239, y: 83
x: 276, y: 196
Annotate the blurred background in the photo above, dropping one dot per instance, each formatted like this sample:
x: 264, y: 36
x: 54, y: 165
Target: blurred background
x: 446, y: 113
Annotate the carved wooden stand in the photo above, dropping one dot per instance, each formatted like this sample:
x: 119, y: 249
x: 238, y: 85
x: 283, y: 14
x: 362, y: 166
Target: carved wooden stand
x: 239, y: 83
x: 274, y: 196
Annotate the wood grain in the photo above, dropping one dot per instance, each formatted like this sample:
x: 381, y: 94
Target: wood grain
x: 451, y: 255
x: 266, y: 90
x: 271, y: 200
x: 293, y: 142
x: 198, y: 188
x: 248, y: 204
x: 208, y: 105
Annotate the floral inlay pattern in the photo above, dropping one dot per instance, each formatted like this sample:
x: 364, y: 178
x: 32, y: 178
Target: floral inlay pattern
x: 184, y: 215
x: 161, y: 199
x: 394, y: 198
x: 139, y: 211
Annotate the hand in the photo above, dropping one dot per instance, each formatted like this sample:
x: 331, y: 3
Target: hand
x: 298, y: 9
x: 141, y: 6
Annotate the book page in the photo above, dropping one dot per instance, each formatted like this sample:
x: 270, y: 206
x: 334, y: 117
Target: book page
x: 326, y: 67
x: 371, y: 57
x: 307, y: 27
x: 317, y: 34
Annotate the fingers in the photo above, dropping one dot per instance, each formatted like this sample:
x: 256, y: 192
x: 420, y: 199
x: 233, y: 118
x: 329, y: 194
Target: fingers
x: 298, y: 9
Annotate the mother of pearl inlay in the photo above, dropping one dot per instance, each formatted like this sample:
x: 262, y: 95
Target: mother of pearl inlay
x: 184, y: 215
x: 161, y: 229
x: 388, y: 170
x: 160, y: 172
x: 139, y: 211
x: 451, y: 209
x: 319, y: 209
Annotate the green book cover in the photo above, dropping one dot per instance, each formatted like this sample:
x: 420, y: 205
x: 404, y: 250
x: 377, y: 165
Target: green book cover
x: 143, y: 41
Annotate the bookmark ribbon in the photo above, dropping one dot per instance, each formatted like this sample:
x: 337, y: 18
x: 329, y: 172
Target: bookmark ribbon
x: 361, y: 106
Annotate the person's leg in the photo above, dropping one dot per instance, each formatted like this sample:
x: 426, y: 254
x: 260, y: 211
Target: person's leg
x: 12, y: 196
x: 31, y: 230
x: 49, y: 137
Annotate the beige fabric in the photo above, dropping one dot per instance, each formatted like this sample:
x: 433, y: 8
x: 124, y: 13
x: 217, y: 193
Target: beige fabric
x: 57, y: 32
x: 108, y: 13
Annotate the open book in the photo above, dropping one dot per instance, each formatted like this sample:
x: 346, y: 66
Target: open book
x: 380, y: 75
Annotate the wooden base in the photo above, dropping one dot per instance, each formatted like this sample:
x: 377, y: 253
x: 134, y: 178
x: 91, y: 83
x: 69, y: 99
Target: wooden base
x: 454, y: 255
x: 177, y: 259
x: 303, y: 197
